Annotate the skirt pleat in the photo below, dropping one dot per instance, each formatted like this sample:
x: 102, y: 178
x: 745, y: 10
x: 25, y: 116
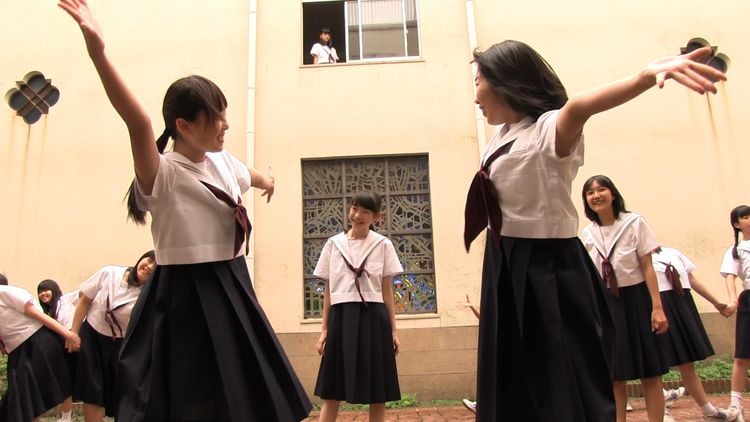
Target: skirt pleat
x: 545, y: 334
x: 358, y: 363
x: 37, y: 378
x: 637, y: 353
x: 742, y: 327
x: 686, y: 341
x: 96, y: 372
x: 199, y: 347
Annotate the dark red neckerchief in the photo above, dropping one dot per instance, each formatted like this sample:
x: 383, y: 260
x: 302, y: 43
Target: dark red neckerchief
x: 357, y: 273
x: 242, y: 223
x: 111, y: 320
x: 482, y: 207
x: 674, y: 278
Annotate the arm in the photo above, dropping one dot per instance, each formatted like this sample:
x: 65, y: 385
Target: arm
x: 3, y: 351
x: 315, y: 59
x: 142, y: 141
x: 467, y: 304
x: 659, y: 323
x: 390, y: 305
x: 324, y: 327
x: 685, y: 69
x: 701, y: 290
x: 261, y: 181
x: 732, y: 292
x: 82, y: 309
x: 72, y: 341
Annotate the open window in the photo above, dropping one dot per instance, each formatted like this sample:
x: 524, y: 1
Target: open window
x: 363, y: 29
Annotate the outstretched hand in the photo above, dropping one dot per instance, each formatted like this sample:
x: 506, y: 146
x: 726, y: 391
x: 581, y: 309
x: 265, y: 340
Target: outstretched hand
x: 687, y: 69
x: 92, y: 34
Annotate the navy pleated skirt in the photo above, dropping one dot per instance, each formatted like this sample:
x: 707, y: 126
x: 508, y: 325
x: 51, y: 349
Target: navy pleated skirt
x: 686, y: 340
x: 38, y: 379
x: 359, y: 363
x: 637, y: 353
x: 96, y: 377
x: 545, y: 334
x: 199, y: 347
x: 742, y: 327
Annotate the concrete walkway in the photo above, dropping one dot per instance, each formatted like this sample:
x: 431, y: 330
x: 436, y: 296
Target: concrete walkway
x: 684, y: 410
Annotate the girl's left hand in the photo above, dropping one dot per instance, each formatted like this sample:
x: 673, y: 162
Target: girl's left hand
x: 396, y: 343
x: 268, y: 189
x: 659, y: 323
x: 687, y: 69
x: 72, y: 342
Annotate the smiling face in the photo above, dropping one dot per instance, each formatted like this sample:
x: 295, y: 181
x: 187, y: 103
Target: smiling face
x: 599, y: 198
x: 144, y: 268
x: 201, y: 136
x: 361, y: 218
x: 743, y: 225
x: 45, y: 296
x: 495, y: 110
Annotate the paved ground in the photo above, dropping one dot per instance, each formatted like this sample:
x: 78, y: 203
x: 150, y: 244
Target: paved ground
x: 684, y: 410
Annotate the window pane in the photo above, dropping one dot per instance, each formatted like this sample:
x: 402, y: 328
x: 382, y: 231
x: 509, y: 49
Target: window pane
x: 382, y: 28
x: 414, y: 293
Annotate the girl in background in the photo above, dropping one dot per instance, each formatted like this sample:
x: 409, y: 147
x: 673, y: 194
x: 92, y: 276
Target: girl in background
x: 61, y: 307
x: 686, y: 340
x: 620, y: 244
x: 101, y: 319
x: 37, y: 375
x: 358, y: 339
x: 739, y: 217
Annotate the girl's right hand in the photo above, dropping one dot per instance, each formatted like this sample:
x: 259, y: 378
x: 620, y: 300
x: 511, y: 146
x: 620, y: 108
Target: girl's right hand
x: 729, y: 310
x: 321, y: 346
x: 72, y: 342
x: 92, y: 34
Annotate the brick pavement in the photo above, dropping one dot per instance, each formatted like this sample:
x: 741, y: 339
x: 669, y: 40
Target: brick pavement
x: 684, y: 410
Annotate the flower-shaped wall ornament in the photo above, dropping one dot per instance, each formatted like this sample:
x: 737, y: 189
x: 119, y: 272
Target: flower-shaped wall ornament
x: 32, y: 97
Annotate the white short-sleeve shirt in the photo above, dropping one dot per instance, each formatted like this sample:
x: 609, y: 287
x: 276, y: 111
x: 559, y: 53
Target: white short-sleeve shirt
x: 325, y: 53
x: 190, y: 224
x: 15, y: 326
x: 66, y: 308
x: 382, y: 262
x: 678, y: 260
x: 632, y: 240
x: 533, y: 183
x: 729, y: 265
x: 109, y: 291
x: 743, y: 250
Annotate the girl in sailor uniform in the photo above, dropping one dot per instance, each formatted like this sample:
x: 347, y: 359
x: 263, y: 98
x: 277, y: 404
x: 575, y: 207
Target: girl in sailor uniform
x: 545, y: 333
x: 101, y: 319
x: 686, y: 341
x: 199, y: 346
x: 61, y: 307
x: 37, y: 375
x: 620, y: 244
x: 358, y: 339
x: 740, y: 220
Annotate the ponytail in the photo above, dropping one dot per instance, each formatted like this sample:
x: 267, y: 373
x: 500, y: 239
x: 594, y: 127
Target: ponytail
x: 134, y: 212
x: 736, y: 241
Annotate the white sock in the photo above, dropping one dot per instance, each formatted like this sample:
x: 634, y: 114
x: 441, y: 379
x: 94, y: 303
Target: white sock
x: 735, y: 398
x: 65, y: 416
x: 709, y: 409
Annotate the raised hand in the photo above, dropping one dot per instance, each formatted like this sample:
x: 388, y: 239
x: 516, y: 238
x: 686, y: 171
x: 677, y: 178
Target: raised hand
x: 92, y: 34
x: 687, y: 69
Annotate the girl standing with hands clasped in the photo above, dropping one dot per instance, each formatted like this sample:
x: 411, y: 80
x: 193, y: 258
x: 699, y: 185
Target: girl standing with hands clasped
x: 739, y: 217
x: 358, y: 339
x: 545, y: 328
x: 101, y: 319
x: 37, y: 376
x: 620, y: 245
x: 199, y: 346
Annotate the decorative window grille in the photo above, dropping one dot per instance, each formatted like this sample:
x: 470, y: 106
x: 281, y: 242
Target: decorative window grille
x: 32, y: 97
x: 403, y: 181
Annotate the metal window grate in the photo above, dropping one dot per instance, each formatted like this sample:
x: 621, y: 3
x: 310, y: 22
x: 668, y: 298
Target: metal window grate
x: 32, y: 97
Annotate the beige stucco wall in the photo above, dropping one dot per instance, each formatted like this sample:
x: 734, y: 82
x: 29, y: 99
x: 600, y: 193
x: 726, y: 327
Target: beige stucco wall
x: 62, y: 180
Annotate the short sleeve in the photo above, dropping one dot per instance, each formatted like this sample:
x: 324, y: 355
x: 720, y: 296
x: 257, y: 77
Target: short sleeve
x: 241, y: 172
x: 323, y: 268
x: 645, y: 240
x: 16, y: 298
x: 315, y: 50
x: 547, y: 134
x: 689, y: 266
x: 729, y: 265
x: 391, y: 264
x: 162, y: 183
x: 90, y: 287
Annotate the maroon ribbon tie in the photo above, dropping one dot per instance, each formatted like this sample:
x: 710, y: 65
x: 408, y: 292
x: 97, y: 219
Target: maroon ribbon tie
x: 674, y: 278
x: 242, y: 222
x: 358, y: 273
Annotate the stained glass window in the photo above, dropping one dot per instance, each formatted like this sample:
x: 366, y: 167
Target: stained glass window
x: 403, y: 181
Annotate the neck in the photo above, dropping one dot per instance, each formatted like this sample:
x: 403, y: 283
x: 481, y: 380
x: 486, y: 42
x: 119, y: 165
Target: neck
x: 607, y: 218
x: 745, y: 236
x: 196, y: 156
x: 357, y: 233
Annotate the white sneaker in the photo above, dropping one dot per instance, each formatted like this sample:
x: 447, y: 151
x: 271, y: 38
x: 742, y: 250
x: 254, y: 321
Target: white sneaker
x: 671, y: 396
x: 740, y: 413
x: 729, y: 414
x: 471, y: 405
x: 628, y: 407
x: 668, y: 417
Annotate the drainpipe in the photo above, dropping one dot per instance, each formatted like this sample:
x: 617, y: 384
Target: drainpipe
x: 471, y: 25
x: 250, y: 140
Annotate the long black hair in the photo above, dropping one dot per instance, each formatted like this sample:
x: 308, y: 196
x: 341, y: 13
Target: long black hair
x: 133, y: 271
x: 51, y: 307
x: 521, y: 77
x: 368, y: 200
x: 618, y: 202
x: 3, y: 280
x: 734, y: 218
x: 186, y: 98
